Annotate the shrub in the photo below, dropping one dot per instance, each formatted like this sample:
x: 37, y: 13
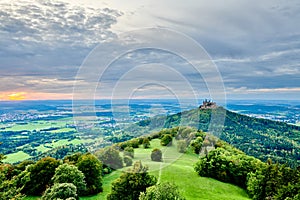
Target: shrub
x: 110, y: 157
x: 156, y: 155
x: 91, y: 167
x: 39, y: 175
x: 166, y: 140
x: 70, y: 174
x: 146, y: 143
x: 181, y: 146
x: 162, y: 191
x: 131, y: 183
x: 129, y: 151
x: 61, y: 191
x: 127, y: 160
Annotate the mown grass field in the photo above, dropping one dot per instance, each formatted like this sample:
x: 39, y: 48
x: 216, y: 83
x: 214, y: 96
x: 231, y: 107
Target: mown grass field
x: 15, y: 157
x: 177, y: 168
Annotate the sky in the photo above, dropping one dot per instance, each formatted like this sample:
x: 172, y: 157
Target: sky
x: 48, y: 47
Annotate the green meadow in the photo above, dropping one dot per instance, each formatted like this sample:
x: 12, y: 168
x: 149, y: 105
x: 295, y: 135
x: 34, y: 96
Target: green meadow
x: 15, y: 157
x: 179, y: 169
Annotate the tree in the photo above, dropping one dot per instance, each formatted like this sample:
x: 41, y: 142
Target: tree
x: 166, y: 140
x: 273, y: 181
x: 91, y: 167
x: 22, y: 166
x: 9, y: 189
x: 181, y: 146
x: 72, y: 159
x: 227, y: 165
x: 289, y: 192
x: 129, y: 151
x: 70, y: 174
x: 110, y: 157
x: 127, y: 161
x: 2, y: 157
x: 39, y: 176
x: 146, y: 143
x: 63, y: 191
x: 197, y: 145
x: 156, y: 155
x: 131, y: 183
x: 162, y: 191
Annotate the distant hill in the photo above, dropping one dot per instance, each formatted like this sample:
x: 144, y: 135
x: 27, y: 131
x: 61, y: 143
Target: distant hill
x: 261, y: 138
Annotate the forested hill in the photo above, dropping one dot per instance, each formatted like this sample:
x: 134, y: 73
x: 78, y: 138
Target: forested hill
x: 261, y: 138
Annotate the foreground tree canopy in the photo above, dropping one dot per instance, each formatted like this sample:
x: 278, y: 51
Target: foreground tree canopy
x: 63, y: 191
x: 131, y: 183
x: 70, y: 174
x: 162, y: 191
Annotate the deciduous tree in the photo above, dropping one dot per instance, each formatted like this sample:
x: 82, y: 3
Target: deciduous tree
x: 91, y: 167
x: 156, y: 155
x: 162, y: 191
x: 70, y: 174
x: 131, y: 183
x: 63, y: 191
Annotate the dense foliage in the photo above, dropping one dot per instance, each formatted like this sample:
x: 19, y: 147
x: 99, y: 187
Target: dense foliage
x: 110, y: 157
x: 162, y: 191
x: 37, y: 177
x: 263, y: 181
x: 274, y: 181
x: 70, y: 174
x: 227, y: 164
x: 156, y: 155
x: 131, y: 183
x: 166, y: 140
x: 63, y: 191
x: 91, y: 167
x: 129, y: 151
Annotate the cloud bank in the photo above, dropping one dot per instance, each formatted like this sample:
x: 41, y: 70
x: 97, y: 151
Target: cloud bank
x: 255, y: 44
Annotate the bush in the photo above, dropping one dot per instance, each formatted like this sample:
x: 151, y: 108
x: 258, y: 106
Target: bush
x: 197, y: 145
x: 110, y: 157
x: 70, y: 174
x: 227, y: 165
x: 39, y: 175
x: 127, y: 160
x: 91, y: 167
x: 181, y: 146
x: 61, y: 191
x: 134, y: 143
x: 156, y: 155
x: 146, y: 143
x: 129, y: 151
x: 166, y: 140
x: 162, y: 191
x: 131, y: 183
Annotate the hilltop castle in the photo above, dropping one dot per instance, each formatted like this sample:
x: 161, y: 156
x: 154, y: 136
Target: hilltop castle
x: 208, y: 104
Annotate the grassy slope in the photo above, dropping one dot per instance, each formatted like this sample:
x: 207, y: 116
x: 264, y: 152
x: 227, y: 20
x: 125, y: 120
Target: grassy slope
x: 180, y: 171
x: 261, y: 138
x: 177, y: 168
x: 17, y: 156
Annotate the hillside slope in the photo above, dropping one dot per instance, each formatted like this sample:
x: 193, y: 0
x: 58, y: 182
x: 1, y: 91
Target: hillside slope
x: 261, y: 138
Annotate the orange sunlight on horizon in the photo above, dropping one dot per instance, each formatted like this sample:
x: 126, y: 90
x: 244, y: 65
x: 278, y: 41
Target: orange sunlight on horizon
x: 17, y: 96
x: 20, y: 96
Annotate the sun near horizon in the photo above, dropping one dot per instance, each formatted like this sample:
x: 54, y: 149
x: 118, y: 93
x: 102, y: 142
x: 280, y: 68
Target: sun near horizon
x: 32, y: 95
x: 16, y: 96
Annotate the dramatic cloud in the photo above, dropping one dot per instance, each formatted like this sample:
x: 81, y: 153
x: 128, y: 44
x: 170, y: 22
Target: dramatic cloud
x: 255, y: 44
x: 48, y: 40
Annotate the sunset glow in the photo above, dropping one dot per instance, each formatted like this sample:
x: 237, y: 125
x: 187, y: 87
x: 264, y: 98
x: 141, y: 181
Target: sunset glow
x: 18, y: 96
